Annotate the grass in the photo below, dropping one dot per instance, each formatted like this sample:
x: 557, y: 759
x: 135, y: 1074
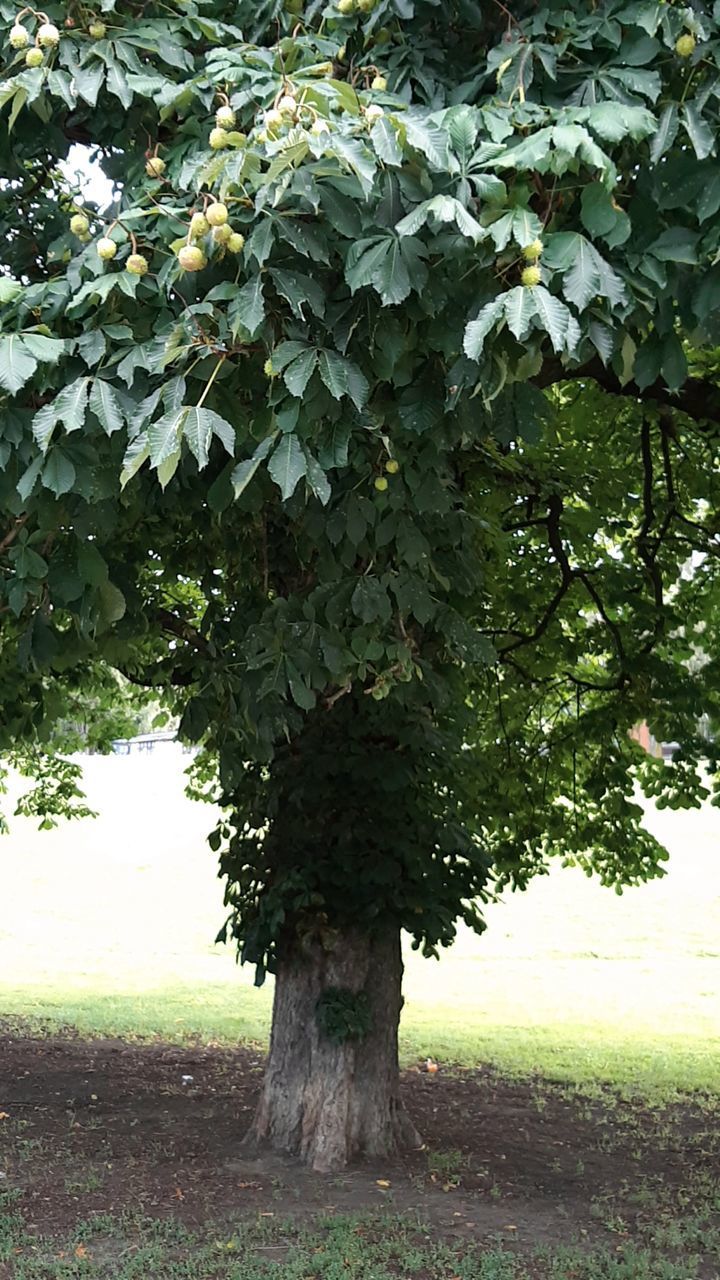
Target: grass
x: 108, y: 926
x: 369, y: 1247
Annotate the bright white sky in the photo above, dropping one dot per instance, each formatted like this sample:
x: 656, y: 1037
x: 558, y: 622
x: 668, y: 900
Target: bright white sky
x: 86, y: 176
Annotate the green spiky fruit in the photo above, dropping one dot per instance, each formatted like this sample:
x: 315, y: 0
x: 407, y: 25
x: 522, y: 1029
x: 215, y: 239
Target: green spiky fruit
x: 225, y: 117
x: 34, y: 58
x: 155, y: 167
x: 273, y: 119
x: 392, y: 466
x: 97, y: 30
x: 374, y: 112
x: 79, y: 224
x: 287, y: 106
x: 319, y: 127
x: 381, y: 484
x: 191, y: 258
x: 199, y: 225
x: 48, y: 35
x: 222, y: 234
x: 19, y: 36
x: 106, y: 248
x: 216, y: 214
x: 379, y: 84
x: 685, y: 45
x: 235, y: 242
x: 531, y: 252
x: 137, y: 264
x: 218, y: 139
x: 366, y: 6
x: 268, y: 369
x: 531, y: 276
x: 345, y: 6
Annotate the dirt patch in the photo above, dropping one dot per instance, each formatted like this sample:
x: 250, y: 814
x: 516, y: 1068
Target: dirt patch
x: 105, y: 1127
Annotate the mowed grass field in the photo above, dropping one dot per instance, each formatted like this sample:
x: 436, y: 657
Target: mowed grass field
x: 108, y: 925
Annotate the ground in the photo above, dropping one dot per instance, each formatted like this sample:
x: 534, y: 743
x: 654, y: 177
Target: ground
x: 115, y: 1153
x: 571, y: 1130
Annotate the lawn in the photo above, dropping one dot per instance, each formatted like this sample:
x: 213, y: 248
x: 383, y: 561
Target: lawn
x: 108, y: 925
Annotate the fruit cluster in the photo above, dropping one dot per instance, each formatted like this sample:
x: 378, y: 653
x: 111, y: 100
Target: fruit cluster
x: 392, y: 466
x: 47, y: 37
x: 212, y: 221
x: 531, y: 274
x: 224, y: 134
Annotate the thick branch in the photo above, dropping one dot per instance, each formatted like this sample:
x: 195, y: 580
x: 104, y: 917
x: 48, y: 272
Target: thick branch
x: 698, y: 397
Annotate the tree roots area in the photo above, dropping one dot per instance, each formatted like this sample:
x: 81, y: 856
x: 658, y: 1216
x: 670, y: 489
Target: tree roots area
x: 127, y: 1161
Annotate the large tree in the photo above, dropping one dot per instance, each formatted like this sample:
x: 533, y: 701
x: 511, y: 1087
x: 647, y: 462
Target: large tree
x: 373, y: 429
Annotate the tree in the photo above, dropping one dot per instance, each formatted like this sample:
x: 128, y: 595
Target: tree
x: 373, y: 431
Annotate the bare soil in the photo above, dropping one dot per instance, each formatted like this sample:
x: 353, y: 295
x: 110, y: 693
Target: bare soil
x: 92, y: 1127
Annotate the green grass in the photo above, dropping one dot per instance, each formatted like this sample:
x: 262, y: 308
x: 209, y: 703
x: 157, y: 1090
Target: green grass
x: 108, y: 926
x: 366, y: 1247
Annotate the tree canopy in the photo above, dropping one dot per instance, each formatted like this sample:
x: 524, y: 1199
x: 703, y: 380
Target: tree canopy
x: 373, y: 428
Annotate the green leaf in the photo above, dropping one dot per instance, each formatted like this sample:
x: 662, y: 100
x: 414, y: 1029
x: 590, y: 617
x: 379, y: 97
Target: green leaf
x: 244, y: 471
x: 92, y: 346
x: 555, y: 319
x: 112, y: 602
x: 428, y: 139
x: 582, y: 281
x: 118, y: 85
x: 105, y: 404
x: 614, y: 121
x: 288, y: 465
x: 665, y: 133
x: 700, y: 133
x: 391, y: 277
x: 385, y: 142
x: 317, y: 479
x: 9, y: 289
x: 197, y: 431
x: 29, y: 478
x: 677, y: 244
x: 17, y: 364
x: 71, y: 404
x: 248, y: 307
x: 164, y: 436
x: 137, y: 453
x: 298, y: 374
x: 519, y: 310
x: 88, y: 80
x: 478, y: 329
x: 58, y: 473
x: 43, y: 425
x: 334, y: 373
x: 358, y: 158
x: 46, y: 350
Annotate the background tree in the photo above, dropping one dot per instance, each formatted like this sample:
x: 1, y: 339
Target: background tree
x: 360, y: 432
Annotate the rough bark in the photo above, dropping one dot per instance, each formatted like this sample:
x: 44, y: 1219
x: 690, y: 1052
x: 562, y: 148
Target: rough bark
x: 325, y: 1102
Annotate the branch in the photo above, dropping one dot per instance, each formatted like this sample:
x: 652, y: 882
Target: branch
x: 699, y: 397
x: 184, y: 631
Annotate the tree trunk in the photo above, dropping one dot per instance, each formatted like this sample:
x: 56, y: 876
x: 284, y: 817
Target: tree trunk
x: 329, y: 1102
